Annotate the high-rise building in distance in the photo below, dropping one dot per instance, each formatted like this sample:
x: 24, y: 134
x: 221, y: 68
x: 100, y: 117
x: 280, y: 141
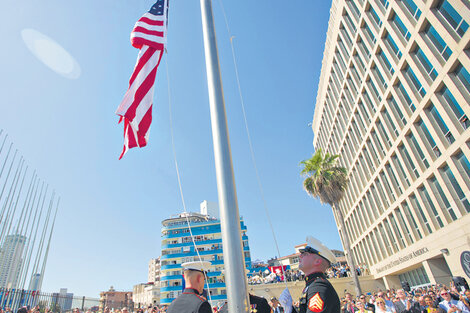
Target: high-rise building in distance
x: 11, y: 260
x: 178, y: 247
x: 393, y: 102
x: 154, y: 271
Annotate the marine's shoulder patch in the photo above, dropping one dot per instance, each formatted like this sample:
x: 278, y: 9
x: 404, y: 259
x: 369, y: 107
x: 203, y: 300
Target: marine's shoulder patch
x: 316, y: 303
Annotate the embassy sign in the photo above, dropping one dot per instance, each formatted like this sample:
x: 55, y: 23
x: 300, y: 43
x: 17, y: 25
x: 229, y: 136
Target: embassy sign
x: 403, y: 259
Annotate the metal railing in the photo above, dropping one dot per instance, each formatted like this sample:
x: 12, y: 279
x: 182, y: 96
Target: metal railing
x: 13, y: 299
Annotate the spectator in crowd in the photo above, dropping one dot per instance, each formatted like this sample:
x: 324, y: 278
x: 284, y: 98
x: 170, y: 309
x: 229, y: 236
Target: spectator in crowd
x: 367, y: 305
x: 465, y: 298
x: 451, y: 305
x: 403, y: 304
x: 349, y: 304
x: 388, y: 302
x: 420, y: 305
x: 361, y: 308
x: 380, y: 306
x: 431, y: 306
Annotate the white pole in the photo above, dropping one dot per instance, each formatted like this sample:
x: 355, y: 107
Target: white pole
x: 235, y: 278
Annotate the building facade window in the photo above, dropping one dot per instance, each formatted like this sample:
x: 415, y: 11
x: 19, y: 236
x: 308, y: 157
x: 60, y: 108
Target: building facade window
x: 412, y: 8
x: 439, y: 44
x: 400, y: 27
x: 452, y: 17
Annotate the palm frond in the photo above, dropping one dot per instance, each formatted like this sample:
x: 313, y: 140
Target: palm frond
x: 324, y: 179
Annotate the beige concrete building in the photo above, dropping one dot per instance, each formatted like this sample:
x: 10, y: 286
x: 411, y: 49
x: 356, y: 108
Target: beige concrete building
x: 145, y: 295
x: 154, y: 271
x: 393, y: 101
x: 115, y: 299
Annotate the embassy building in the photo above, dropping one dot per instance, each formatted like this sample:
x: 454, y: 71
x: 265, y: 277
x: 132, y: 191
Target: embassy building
x: 202, y: 239
x: 393, y: 102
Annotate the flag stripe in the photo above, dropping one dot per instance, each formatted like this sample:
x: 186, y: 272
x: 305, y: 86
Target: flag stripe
x: 143, y: 59
x: 149, y: 38
x: 155, y: 22
x: 149, y: 27
x: 144, y: 127
x: 140, y: 93
x: 142, y: 30
x: 141, y: 76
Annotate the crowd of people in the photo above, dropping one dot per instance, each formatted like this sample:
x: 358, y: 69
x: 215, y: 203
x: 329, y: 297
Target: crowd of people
x: 337, y: 271
x: 432, y: 299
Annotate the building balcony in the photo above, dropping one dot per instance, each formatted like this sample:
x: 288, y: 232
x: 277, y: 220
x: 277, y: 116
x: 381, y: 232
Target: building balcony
x: 190, y: 253
x: 185, y: 244
x: 171, y: 288
x: 170, y: 266
x: 192, y: 224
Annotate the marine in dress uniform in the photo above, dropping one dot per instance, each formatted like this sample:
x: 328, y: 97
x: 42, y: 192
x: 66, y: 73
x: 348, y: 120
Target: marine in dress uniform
x: 191, y: 300
x: 318, y: 294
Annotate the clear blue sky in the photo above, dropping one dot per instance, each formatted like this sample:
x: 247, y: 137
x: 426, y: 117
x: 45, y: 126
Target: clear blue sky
x: 108, y: 225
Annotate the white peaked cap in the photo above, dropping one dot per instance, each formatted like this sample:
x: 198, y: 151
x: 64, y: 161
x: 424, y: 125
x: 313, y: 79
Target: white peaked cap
x: 201, y: 266
x: 317, y: 247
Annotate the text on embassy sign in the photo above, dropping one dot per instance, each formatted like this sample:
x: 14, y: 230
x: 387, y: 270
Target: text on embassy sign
x: 405, y: 258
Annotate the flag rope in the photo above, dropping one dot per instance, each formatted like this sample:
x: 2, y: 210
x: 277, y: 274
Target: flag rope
x: 179, y: 177
x: 250, y: 144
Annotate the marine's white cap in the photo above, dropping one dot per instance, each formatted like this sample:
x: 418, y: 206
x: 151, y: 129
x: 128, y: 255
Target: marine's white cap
x: 201, y: 266
x: 316, y: 247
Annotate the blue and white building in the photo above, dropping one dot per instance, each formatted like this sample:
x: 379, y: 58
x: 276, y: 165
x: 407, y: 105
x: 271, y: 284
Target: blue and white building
x: 178, y: 247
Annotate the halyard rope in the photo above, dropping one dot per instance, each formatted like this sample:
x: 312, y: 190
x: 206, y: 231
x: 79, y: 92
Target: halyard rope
x: 179, y: 178
x: 249, y: 137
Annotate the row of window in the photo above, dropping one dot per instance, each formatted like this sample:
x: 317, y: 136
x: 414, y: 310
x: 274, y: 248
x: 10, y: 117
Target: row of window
x: 440, y: 200
x: 461, y: 78
x: 419, y: 56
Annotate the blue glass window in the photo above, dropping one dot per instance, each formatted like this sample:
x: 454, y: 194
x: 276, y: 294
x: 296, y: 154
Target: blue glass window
x: 424, y: 131
x: 429, y: 68
x: 405, y: 96
x: 397, y: 111
x: 414, y: 80
x: 452, y: 17
x: 436, y: 188
x: 456, y: 187
x: 430, y: 205
x: 438, y: 42
x: 350, y: 23
x: 379, y: 77
x: 393, y: 45
x: 382, y: 57
x: 377, y: 94
x: 369, y: 33
x: 401, y: 27
x: 375, y: 17
x: 417, y: 147
x: 463, y: 162
x: 384, y: 3
x: 412, y: 8
x: 463, y: 76
x: 354, y: 8
x: 455, y: 107
x: 442, y: 125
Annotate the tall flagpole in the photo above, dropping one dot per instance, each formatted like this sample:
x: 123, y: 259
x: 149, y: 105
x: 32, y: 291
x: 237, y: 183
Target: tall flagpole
x: 235, y: 277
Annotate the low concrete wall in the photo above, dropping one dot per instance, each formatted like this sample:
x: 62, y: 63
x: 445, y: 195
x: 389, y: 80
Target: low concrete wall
x: 341, y: 285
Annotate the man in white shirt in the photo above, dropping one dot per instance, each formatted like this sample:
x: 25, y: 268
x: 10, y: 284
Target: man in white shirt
x: 450, y: 305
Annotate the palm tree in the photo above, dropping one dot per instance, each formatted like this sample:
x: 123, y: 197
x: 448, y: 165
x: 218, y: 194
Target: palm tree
x: 327, y: 181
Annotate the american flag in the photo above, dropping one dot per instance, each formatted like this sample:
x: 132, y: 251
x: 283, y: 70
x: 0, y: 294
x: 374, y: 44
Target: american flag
x: 148, y: 35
